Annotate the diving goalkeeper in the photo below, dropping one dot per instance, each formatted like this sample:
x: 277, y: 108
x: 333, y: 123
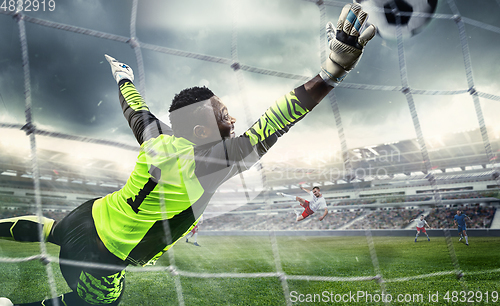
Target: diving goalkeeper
x: 178, y: 170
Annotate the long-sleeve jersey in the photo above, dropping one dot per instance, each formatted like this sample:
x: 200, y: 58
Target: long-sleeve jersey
x: 174, y: 179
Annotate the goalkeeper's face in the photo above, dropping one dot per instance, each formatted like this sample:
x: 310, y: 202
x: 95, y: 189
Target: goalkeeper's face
x: 225, y: 122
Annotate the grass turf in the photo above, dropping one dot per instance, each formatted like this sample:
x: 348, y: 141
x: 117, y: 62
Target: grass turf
x: 398, y: 258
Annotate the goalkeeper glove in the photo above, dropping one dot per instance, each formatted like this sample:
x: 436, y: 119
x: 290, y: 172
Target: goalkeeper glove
x: 346, y: 43
x: 119, y: 70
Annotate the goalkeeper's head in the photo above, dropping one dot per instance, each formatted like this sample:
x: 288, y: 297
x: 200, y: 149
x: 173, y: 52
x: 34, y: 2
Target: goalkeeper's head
x: 198, y: 115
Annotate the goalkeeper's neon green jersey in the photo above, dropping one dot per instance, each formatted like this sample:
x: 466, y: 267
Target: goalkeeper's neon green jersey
x: 174, y: 179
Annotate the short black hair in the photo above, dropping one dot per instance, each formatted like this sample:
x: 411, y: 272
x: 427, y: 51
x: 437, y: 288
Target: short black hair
x: 189, y: 96
x: 316, y: 187
x: 181, y: 125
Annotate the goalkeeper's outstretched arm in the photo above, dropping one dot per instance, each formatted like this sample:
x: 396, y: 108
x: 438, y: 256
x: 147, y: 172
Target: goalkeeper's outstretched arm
x: 346, y: 42
x: 143, y: 123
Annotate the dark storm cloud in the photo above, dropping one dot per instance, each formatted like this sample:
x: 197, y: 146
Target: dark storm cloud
x: 73, y: 91
x: 72, y: 88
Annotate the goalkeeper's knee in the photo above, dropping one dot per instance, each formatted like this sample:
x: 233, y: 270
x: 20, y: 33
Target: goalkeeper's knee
x: 26, y: 228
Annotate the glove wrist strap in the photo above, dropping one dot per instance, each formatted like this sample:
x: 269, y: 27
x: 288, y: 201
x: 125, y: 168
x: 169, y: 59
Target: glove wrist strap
x: 121, y: 76
x: 332, y: 73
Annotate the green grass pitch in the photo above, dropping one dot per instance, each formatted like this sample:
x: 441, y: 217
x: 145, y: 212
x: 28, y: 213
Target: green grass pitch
x: 398, y: 257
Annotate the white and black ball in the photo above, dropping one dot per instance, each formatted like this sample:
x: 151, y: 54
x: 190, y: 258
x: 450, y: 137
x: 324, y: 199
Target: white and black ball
x: 415, y: 15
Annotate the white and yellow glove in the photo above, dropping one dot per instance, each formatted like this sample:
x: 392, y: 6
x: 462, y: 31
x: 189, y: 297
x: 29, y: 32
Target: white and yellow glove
x: 346, y: 43
x: 120, y: 70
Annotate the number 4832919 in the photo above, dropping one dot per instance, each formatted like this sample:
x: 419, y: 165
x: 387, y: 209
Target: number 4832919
x: 28, y: 5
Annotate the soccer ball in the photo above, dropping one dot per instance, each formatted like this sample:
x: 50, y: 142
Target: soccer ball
x: 381, y: 13
x: 5, y: 302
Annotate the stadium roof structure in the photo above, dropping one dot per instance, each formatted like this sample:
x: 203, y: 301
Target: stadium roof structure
x: 452, y: 156
x: 462, y: 153
x: 60, y: 171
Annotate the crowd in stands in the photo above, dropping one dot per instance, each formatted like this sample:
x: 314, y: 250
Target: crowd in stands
x: 481, y: 216
x: 280, y: 215
x: 387, y: 219
x: 444, y: 196
x: 52, y: 214
x: 354, y: 202
x: 14, y: 206
x: 359, y: 219
x: 278, y: 221
x: 406, y: 199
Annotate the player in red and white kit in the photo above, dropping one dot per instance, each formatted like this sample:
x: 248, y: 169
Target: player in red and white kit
x: 194, y: 232
x: 318, y: 202
x: 421, y: 223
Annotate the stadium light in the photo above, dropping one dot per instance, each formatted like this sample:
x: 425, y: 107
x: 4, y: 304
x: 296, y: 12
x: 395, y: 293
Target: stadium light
x: 373, y: 151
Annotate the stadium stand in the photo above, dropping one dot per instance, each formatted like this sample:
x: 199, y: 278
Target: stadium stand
x: 376, y: 202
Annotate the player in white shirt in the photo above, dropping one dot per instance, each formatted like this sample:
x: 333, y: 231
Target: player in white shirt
x: 421, y: 223
x: 194, y: 232
x: 317, y: 203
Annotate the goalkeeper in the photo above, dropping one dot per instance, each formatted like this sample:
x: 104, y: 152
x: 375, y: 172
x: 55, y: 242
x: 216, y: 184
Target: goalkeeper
x: 178, y: 170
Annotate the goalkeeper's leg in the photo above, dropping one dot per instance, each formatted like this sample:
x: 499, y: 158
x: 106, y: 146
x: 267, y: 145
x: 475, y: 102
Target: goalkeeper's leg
x: 80, y: 243
x: 27, y: 228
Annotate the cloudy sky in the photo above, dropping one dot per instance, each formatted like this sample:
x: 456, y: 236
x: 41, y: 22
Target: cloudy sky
x: 73, y: 91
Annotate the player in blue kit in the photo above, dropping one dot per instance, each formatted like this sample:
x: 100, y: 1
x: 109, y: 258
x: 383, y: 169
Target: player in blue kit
x: 459, y: 221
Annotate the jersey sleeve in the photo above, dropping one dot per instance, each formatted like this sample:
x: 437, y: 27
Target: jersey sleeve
x: 143, y: 123
x: 278, y: 119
